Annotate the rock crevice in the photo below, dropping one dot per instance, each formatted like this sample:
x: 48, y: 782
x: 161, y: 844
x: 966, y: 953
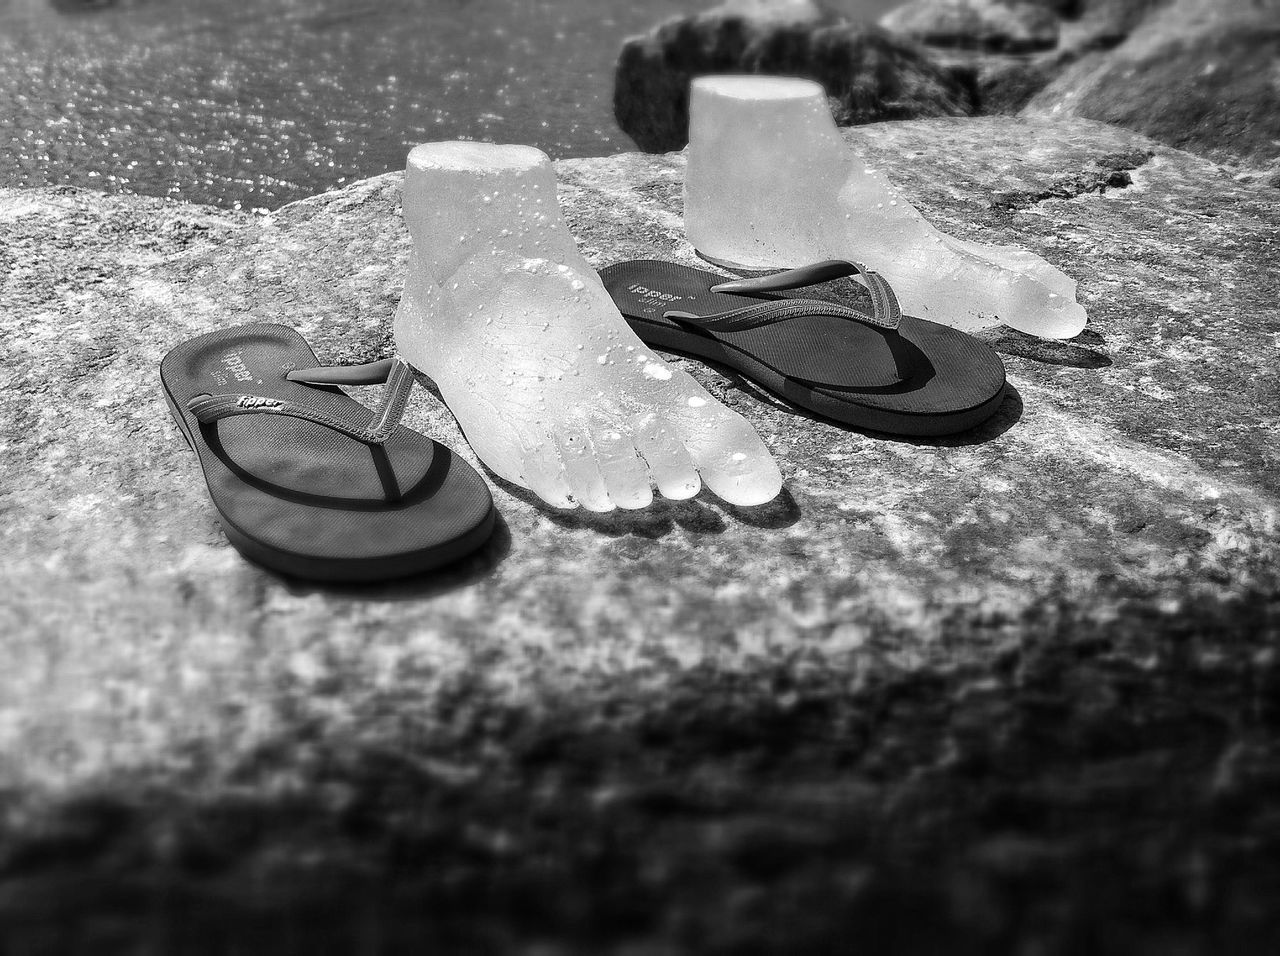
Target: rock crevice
x: 1113, y: 171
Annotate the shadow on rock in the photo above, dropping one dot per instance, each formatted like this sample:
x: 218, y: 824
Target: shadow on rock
x: 1084, y: 351
x: 701, y: 515
x: 1006, y: 416
x: 781, y: 512
x: 475, y: 567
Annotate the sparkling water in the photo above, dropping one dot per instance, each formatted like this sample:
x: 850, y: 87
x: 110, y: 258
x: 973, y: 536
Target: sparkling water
x: 241, y: 103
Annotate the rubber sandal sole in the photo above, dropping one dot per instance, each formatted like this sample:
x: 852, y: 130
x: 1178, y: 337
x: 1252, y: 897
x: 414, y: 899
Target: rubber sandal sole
x: 307, y: 501
x: 839, y: 370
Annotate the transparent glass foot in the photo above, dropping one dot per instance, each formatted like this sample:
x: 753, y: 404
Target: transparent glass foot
x: 551, y: 387
x: 770, y: 184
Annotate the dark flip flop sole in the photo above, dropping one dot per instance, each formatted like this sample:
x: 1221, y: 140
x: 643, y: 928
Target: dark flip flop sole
x: 840, y: 370
x: 304, y: 499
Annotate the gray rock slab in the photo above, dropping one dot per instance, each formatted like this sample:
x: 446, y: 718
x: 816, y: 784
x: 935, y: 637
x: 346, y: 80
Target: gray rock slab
x: 1014, y: 686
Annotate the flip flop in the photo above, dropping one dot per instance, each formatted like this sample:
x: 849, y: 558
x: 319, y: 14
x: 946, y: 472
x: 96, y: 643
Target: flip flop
x: 309, y: 482
x: 881, y: 371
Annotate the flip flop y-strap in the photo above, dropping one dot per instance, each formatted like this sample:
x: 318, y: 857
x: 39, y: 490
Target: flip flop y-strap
x: 886, y: 313
x: 397, y: 375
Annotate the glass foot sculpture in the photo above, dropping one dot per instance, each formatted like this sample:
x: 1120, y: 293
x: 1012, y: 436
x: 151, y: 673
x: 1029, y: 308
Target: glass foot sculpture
x: 771, y: 184
x: 552, y: 389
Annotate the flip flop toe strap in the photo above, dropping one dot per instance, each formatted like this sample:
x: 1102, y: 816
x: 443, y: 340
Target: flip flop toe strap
x: 886, y: 312
x: 395, y: 398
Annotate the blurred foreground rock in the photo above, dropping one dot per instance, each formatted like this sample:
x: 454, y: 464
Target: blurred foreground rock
x: 1016, y: 691
x: 868, y: 74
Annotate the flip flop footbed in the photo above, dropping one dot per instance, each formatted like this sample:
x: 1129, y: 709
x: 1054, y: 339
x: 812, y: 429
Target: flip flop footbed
x: 305, y: 499
x: 922, y: 379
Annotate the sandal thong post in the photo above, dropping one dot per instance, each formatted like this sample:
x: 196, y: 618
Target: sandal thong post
x: 308, y: 481
x: 878, y: 370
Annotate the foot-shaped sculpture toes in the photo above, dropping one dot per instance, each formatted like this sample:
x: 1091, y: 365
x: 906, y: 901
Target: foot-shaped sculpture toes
x: 964, y: 284
x: 552, y: 389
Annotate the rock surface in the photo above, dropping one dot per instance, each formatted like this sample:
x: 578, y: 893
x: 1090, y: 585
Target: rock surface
x: 1011, y: 692
x: 868, y: 74
x: 1012, y: 27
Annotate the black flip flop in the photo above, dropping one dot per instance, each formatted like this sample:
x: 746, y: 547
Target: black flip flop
x: 883, y: 371
x: 308, y: 481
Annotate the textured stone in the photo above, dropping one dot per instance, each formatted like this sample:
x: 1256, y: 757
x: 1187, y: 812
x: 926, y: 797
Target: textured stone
x: 1012, y: 27
x: 1014, y: 691
x: 868, y: 74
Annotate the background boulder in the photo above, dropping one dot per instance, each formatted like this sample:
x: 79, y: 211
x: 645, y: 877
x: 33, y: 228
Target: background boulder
x: 929, y: 58
x: 1008, y: 67
x: 868, y: 74
x: 1199, y: 75
x: 1010, y: 27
